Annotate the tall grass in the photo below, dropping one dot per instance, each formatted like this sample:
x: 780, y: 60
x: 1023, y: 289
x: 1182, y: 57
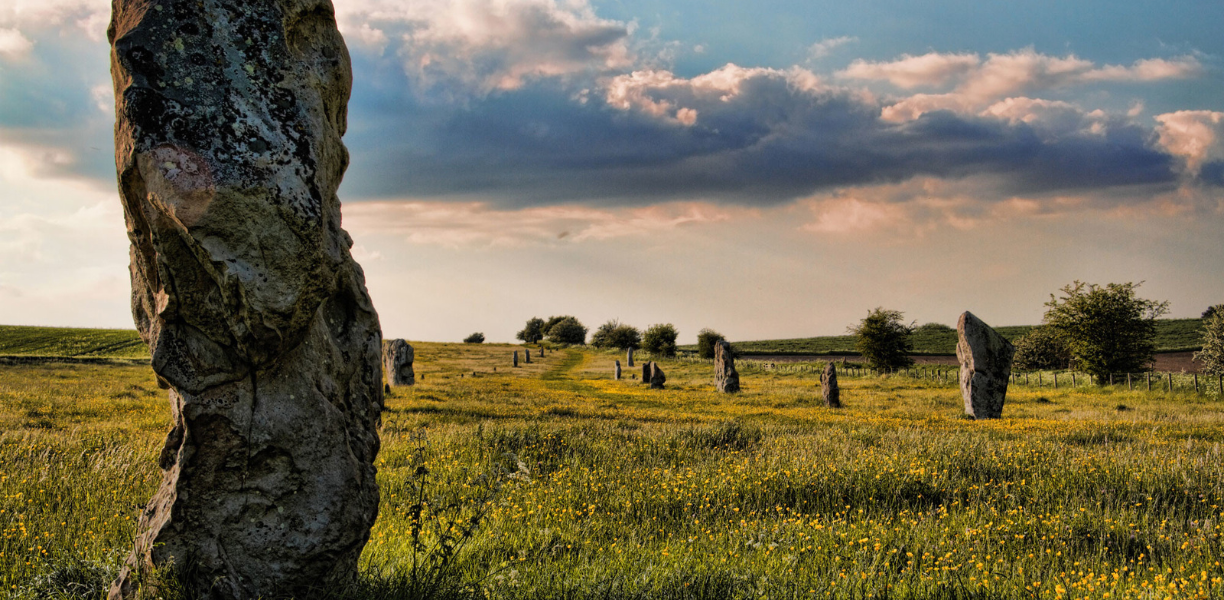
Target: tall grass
x: 627, y: 492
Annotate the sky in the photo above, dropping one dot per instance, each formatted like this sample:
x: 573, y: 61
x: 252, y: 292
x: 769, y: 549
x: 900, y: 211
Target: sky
x: 768, y: 170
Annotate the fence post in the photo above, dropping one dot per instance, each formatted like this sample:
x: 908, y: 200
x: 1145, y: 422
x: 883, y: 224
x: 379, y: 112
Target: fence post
x: 1055, y: 379
x: 1038, y: 378
x: 1111, y: 379
x: 1129, y: 387
x: 1196, y: 390
x: 1026, y: 378
x: 1149, y: 378
x: 1072, y: 378
x: 1170, y: 382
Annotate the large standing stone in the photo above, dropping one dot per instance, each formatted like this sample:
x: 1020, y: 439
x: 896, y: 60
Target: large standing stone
x: 397, y: 362
x: 726, y: 378
x: 516, y: 358
x: 227, y: 145
x: 985, y: 361
x: 629, y: 357
x: 657, y: 378
x: 828, y: 386
x: 646, y: 372
x: 616, y: 374
x: 527, y: 355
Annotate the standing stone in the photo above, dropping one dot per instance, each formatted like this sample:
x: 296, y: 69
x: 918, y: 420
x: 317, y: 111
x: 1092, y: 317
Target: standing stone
x: 629, y: 357
x: 227, y: 147
x: 657, y: 378
x: 526, y: 355
x: 828, y: 386
x: 616, y: 374
x: 541, y: 351
x: 646, y: 372
x: 726, y: 378
x: 516, y: 358
x: 985, y: 360
x: 397, y: 362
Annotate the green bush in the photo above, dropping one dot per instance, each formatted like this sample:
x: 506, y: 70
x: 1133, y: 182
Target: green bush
x: 565, y: 330
x: 1212, y: 354
x: 533, y: 332
x: 475, y: 338
x: 884, y: 339
x: 1213, y: 310
x: 1042, y: 348
x: 660, y: 339
x: 934, y: 328
x: 1107, y: 329
x: 615, y: 334
x: 706, y: 338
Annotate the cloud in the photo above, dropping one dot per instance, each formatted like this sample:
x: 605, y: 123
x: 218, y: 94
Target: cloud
x: 13, y: 44
x: 978, y: 83
x: 477, y: 224
x: 483, y: 46
x: 1197, y: 136
x: 825, y: 47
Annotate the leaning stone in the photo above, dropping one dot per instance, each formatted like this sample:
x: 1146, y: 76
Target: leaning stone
x: 828, y: 386
x: 616, y: 374
x: 397, y: 362
x: 229, y: 117
x: 726, y: 378
x: 657, y: 378
x: 629, y: 357
x: 985, y: 360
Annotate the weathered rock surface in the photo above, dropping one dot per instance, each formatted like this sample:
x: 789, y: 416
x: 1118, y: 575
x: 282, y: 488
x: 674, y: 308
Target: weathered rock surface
x: 227, y: 146
x: 616, y: 374
x: 828, y: 386
x: 657, y: 378
x: 726, y: 378
x: 516, y: 358
x: 629, y: 357
x: 985, y: 367
x: 646, y: 372
x: 397, y: 362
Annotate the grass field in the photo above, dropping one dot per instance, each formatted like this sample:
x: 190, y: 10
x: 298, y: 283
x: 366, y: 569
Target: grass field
x: 682, y: 493
x: 16, y: 340
x: 1172, y: 335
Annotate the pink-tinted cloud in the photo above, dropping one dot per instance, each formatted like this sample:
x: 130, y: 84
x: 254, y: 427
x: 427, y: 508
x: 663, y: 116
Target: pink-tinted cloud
x: 1197, y: 136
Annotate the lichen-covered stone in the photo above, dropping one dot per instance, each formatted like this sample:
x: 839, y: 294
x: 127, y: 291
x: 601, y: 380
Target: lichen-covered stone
x: 828, y: 386
x: 657, y: 378
x: 726, y: 378
x: 398, y: 356
x: 985, y: 367
x: 616, y: 373
x: 227, y: 146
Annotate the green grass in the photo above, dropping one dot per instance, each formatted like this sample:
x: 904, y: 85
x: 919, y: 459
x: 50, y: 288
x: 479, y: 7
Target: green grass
x: 685, y: 493
x: 18, y: 340
x: 1172, y: 335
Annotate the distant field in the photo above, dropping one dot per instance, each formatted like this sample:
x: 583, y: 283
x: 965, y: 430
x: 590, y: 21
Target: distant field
x: 16, y: 340
x: 1172, y: 335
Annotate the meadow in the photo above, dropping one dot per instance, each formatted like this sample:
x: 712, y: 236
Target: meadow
x: 587, y: 487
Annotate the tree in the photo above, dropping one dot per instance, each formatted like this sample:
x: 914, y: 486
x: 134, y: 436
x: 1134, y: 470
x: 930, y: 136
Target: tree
x: 706, y: 339
x: 1212, y: 310
x: 475, y: 338
x: 615, y: 334
x: 660, y: 339
x: 567, y: 330
x: 553, y: 321
x: 1212, y: 354
x: 934, y: 328
x: 1042, y: 348
x: 884, y: 339
x: 533, y: 332
x: 1107, y: 329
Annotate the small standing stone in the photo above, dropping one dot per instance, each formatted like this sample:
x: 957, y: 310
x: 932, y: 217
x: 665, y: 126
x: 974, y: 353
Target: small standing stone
x: 629, y: 357
x: 398, y: 356
x: 526, y: 355
x: 617, y: 372
x: 726, y: 378
x: 985, y: 358
x: 657, y: 378
x: 828, y: 386
x: 541, y: 351
x: 516, y: 358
